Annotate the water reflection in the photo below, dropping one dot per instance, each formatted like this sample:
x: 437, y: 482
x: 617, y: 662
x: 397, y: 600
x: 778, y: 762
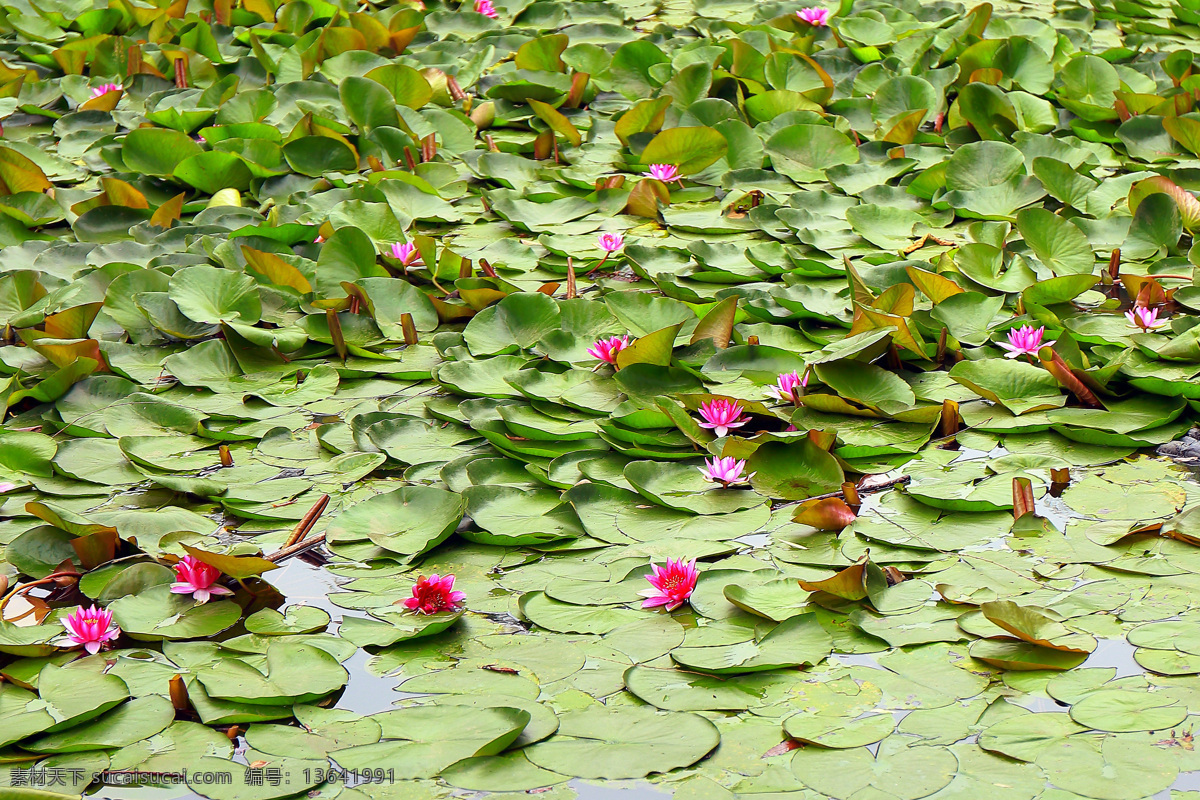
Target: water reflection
x: 1115, y: 653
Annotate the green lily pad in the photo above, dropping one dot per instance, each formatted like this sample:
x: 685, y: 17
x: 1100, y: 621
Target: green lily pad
x: 624, y: 742
x: 295, y: 673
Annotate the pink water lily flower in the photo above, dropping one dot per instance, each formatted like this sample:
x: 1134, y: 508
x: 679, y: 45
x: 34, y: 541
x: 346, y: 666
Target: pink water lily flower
x: 611, y: 242
x: 673, y: 584
x: 789, y: 387
x: 91, y: 627
x: 817, y: 17
x: 194, y: 577
x: 434, y: 595
x: 725, y: 471
x: 720, y: 416
x: 405, y: 253
x: 664, y: 172
x: 486, y: 8
x: 105, y: 88
x: 606, y: 349
x: 6, y: 487
x: 1025, y: 340
x: 1143, y: 318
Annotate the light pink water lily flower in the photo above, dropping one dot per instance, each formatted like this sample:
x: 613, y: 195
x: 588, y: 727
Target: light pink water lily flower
x: 105, y: 88
x: 486, y: 8
x: 664, y: 172
x: 434, y: 595
x: 1025, y: 340
x: 721, y: 416
x: 194, y: 577
x: 673, y: 584
x: 817, y: 17
x: 91, y: 627
x: 6, y: 487
x: 606, y: 349
x: 789, y: 387
x: 611, y: 242
x: 725, y: 471
x: 405, y: 253
x: 1145, y: 319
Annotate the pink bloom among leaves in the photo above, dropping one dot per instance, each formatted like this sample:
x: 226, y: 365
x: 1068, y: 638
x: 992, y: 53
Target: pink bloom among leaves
x: 664, y: 172
x: 105, y: 88
x: 405, y: 253
x: 194, y: 577
x: 434, y: 595
x: 606, y: 349
x: 720, y: 416
x: 486, y: 8
x: 6, y: 487
x: 817, y: 17
x: 611, y: 242
x: 725, y: 471
x: 91, y: 627
x: 789, y: 387
x: 673, y: 584
x: 1143, y: 318
x: 1025, y: 340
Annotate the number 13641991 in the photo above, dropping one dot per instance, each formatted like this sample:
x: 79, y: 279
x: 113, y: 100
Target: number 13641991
x: 351, y: 777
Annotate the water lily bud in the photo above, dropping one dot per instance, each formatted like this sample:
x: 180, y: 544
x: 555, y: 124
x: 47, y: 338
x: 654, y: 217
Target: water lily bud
x: 179, y: 694
x: 69, y: 578
x: 483, y: 115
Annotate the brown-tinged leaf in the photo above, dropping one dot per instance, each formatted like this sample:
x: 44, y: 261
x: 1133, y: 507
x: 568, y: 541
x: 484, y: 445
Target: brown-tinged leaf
x: 849, y: 584
x: 932, y: 285
x: 645, y: 198
x: 786, y: 746
x: 168, y: 212
x: 236, y: 567
x: 717, y: 324
x: 829, y: 514
x: 277, y: 271
x: 95, y: 549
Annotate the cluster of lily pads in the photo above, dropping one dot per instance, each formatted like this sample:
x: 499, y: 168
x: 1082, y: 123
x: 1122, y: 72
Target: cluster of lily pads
x: 743, y: 397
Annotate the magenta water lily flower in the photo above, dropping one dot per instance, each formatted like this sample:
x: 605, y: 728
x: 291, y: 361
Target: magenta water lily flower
x: 405, y: 253
x: 817, y: 17
x: 673, y: 584
x: 611, y: 242
x: 194, y: 577
x: 91, y: 627
x: 725, y: 471
x: 105, y: 88
x: 666, y: 173
x: 1025, y: 341
x: 486, y: 8
x: 434, y: 595
x: 721, y: 416
x: 1145, y: 319
x: 606, y: 349
x: 789, y: 387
